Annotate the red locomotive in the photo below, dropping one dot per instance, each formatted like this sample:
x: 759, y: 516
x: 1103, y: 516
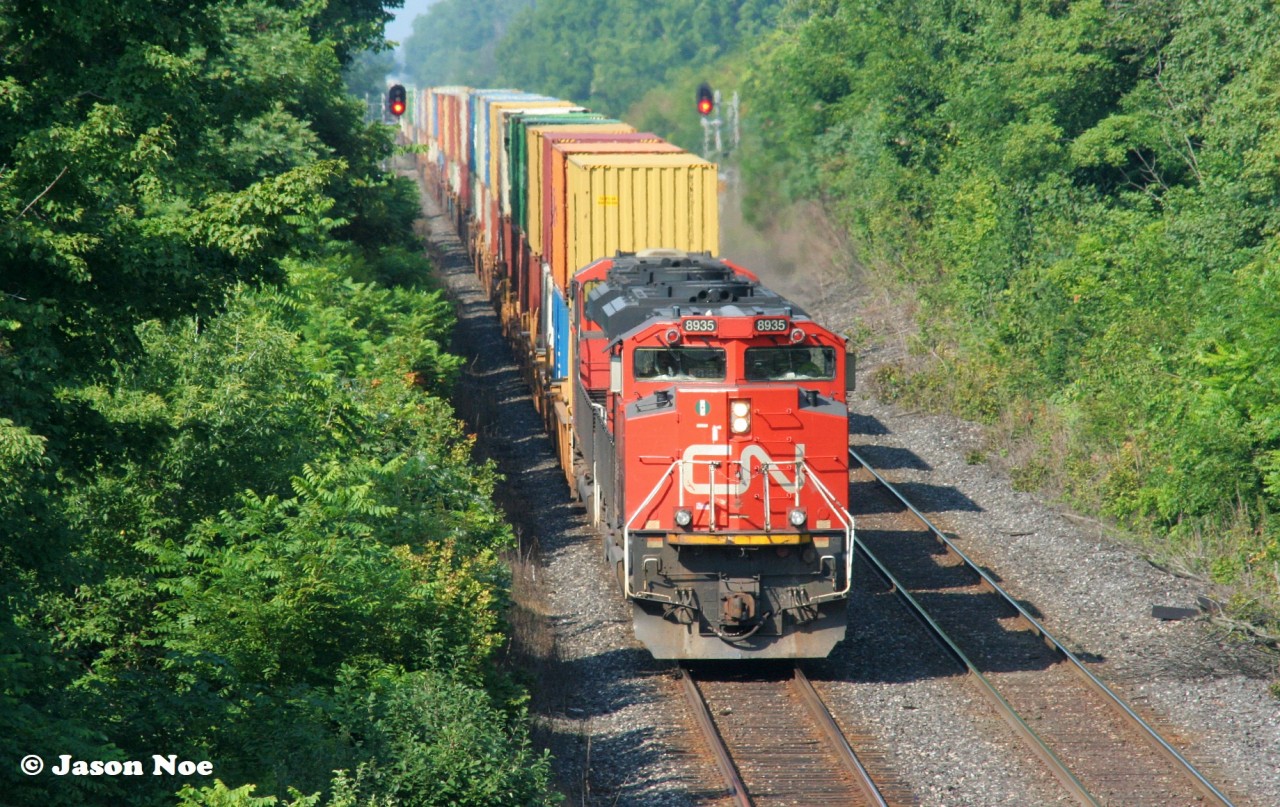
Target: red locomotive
x: 712, y: 428
x: 700, y: 416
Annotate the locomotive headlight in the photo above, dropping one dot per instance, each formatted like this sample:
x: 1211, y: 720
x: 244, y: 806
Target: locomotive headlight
x: 739, y: 416
x: 796, y: 516
x: 684, y: 517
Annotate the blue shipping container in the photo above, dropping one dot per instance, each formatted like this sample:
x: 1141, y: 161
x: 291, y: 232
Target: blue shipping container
x: 559, y: 334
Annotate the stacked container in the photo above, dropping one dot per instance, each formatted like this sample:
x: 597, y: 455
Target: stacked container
x: 543, y: 187
x: 537, y: 137
x: 483, y: 164
x: 632, y: 202
x: 522, y: 209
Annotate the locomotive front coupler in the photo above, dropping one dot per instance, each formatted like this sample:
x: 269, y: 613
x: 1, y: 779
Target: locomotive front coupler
x: 738, y: 597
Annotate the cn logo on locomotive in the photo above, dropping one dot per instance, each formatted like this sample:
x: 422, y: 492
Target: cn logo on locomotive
x: 695, y: 472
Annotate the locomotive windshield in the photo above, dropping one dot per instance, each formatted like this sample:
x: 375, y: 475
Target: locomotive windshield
x: 790, y: 363
x: 679, y: 363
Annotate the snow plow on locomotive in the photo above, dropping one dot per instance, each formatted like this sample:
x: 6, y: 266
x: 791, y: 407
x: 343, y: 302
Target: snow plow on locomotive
x: 700, y: 417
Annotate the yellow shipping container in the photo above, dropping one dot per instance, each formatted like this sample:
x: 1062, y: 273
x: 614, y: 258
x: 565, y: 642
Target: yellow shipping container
x: 537, y: 155
x: 553, y: 188
x: 498, y: 111
x: 632, y: 202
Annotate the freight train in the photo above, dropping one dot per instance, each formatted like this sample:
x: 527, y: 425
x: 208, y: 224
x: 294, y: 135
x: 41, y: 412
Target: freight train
x: 700, y: 417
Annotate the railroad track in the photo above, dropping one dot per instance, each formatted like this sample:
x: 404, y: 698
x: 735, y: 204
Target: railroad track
x: 774, y: 740
x: 1096, y: 745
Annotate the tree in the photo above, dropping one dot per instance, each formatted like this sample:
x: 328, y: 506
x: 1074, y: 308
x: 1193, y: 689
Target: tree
x: 1082, y: 196
x: 231, y: 486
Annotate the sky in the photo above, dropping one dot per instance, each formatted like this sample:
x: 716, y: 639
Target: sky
x: 399, y: 29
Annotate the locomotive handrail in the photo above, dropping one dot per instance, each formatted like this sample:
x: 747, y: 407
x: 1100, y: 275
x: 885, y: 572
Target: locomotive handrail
x: 768, y: 503
x: 711, y: 484
x: 846, y: 519
x: 626, y: 541
x: 843, y: 515
x: 764, y: 475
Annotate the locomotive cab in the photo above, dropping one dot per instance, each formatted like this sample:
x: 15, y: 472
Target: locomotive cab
x: 716, y: 457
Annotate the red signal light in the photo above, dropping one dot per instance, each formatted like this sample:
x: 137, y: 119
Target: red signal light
x: 396, y: 102
x: 706, y: 99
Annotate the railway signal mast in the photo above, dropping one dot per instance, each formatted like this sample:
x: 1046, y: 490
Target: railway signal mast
x: 709, y: 110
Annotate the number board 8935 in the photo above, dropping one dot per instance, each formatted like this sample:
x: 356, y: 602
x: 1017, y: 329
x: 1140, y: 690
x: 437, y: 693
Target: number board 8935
x: 698, y: 325
x: 773, y: 325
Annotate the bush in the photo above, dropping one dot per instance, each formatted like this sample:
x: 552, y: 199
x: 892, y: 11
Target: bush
x: 1084, y: 199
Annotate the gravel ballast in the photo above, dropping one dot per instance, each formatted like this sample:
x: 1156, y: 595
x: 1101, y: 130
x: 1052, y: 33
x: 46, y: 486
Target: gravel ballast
x: 605, y: 708
x: 1206, y: 692
x: 1203, y: 689
x: 611, y: 713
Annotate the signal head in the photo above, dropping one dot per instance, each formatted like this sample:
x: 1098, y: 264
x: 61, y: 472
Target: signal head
x: 396, y: 100
x: 706, y: 99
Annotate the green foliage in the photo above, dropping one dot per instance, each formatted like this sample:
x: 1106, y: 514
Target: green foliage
x: 166, y: 158
x: 607, y: 54
x: 668, y: 108
x: 457, y: 41
x: 379, y: 208
x: 429, y: 740
x: 366, y: 76
x: 1084, y: 195
x: 219, y: 795
x: 353, y: 529
x: 237, y: 509
x: 286, y: 507
x: 443, y: 744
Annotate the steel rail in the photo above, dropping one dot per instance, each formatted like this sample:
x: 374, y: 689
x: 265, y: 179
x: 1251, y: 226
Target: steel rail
x: 826, y: 723
x: 702, y: 716
x: 1198, y: 779
x: 1006, y: 711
